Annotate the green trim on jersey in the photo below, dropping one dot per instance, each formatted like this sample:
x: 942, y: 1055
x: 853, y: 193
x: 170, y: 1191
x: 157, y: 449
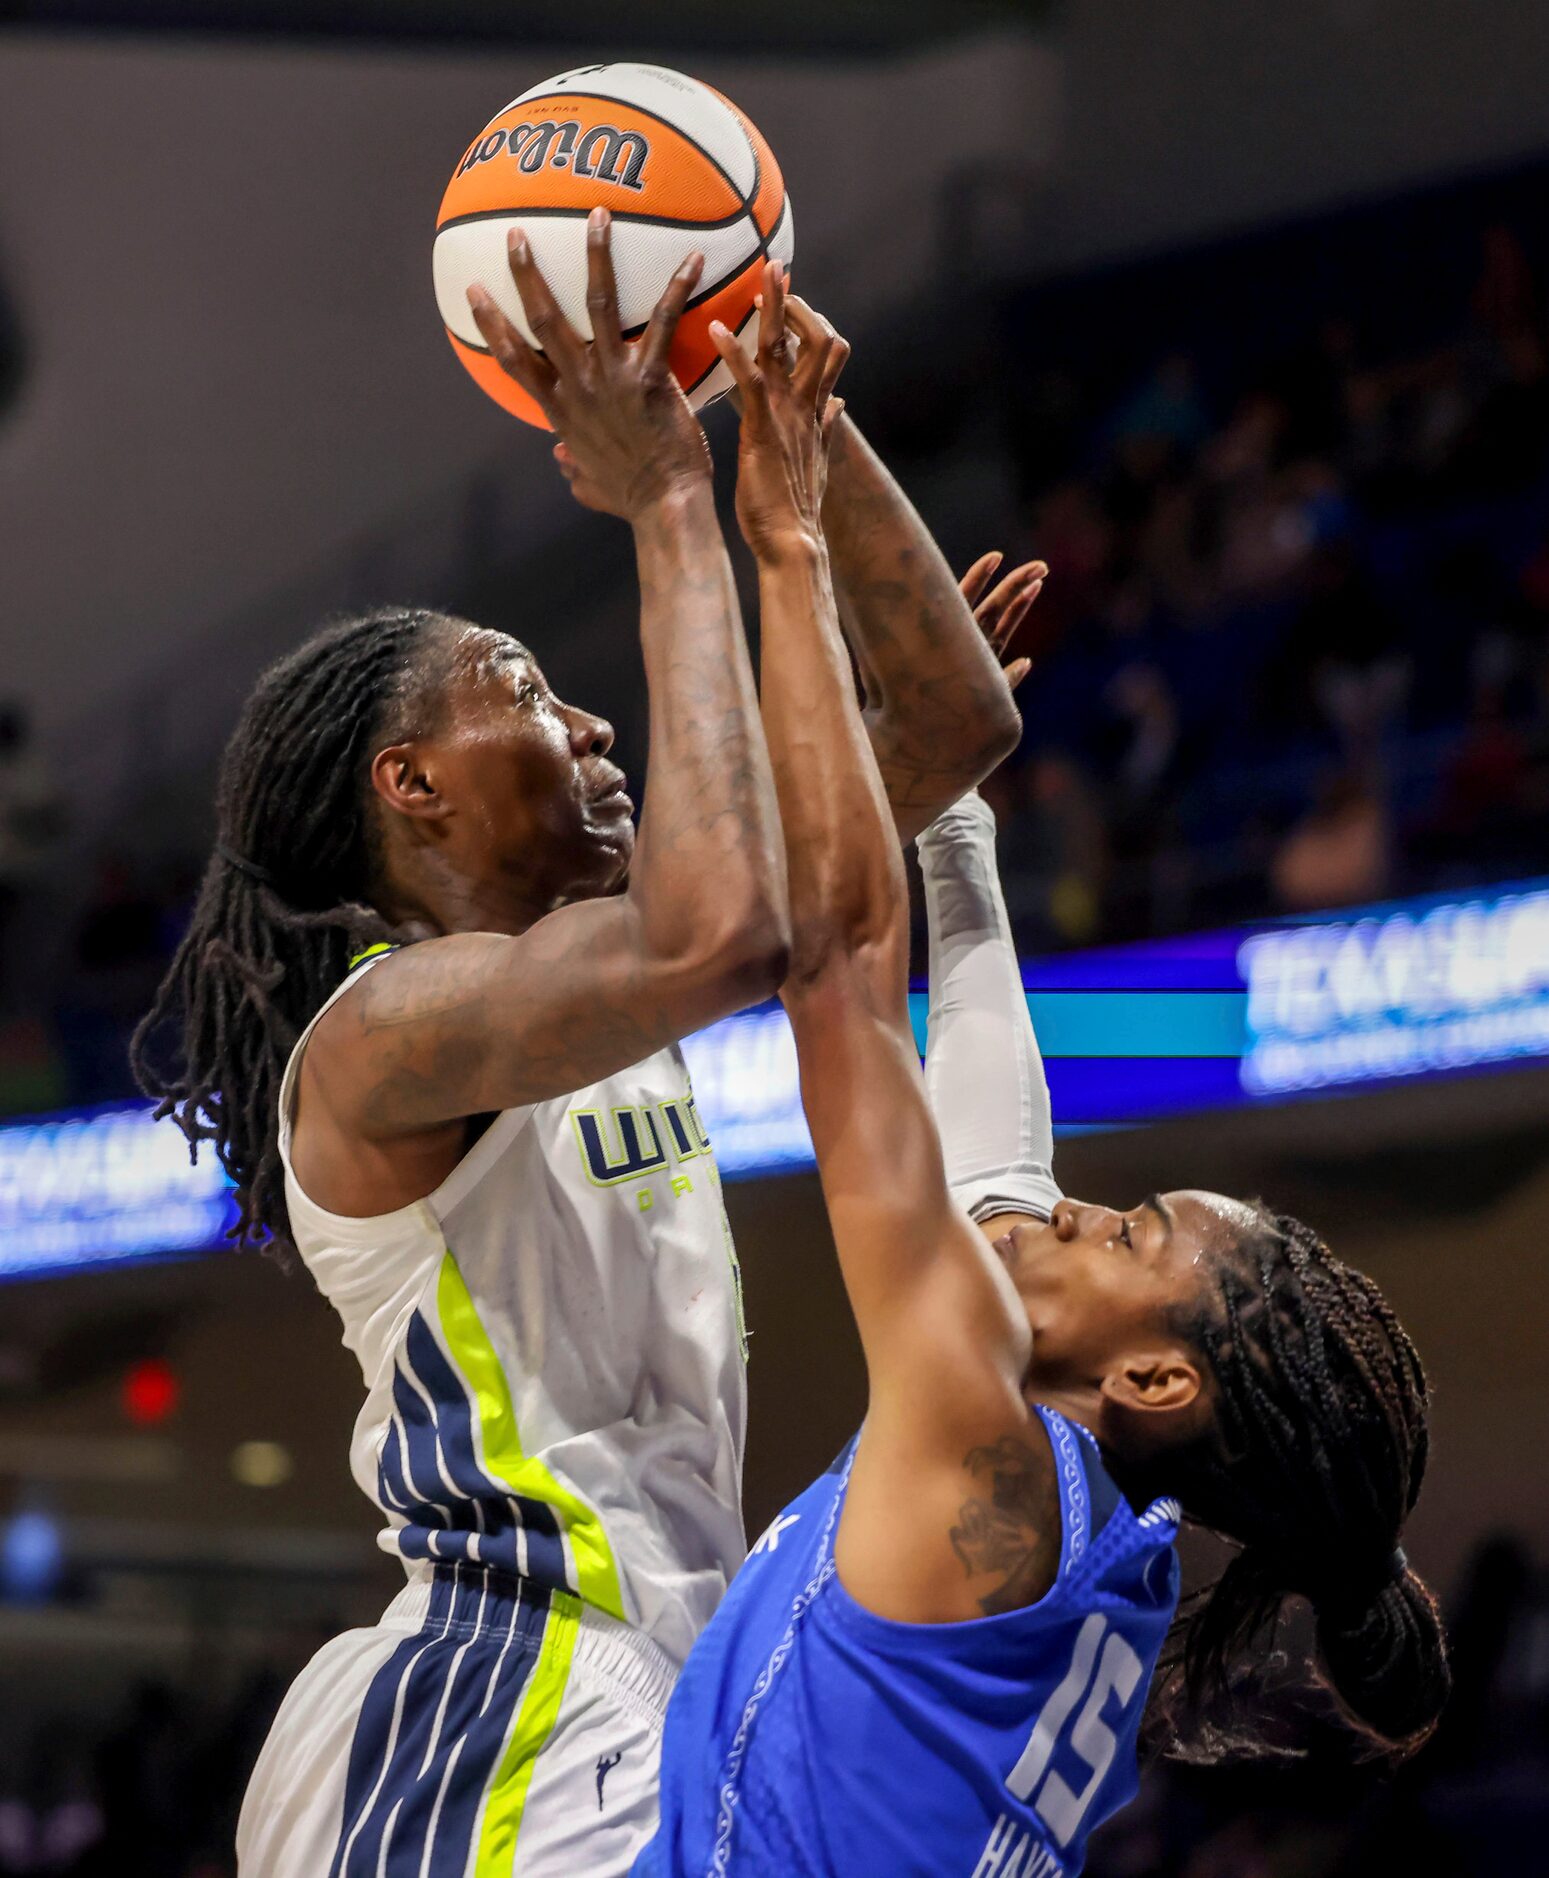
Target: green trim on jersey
x: 373, y: 952
x: 597, y: 1576
x: 535, y: 1722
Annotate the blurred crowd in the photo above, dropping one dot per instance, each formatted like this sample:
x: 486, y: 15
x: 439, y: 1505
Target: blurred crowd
x: 69, y: 999
x: 156, y: 1794
x: 1294, y: 649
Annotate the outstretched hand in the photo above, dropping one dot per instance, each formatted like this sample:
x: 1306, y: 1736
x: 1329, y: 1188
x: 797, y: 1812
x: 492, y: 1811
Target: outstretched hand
x: 788, y: 413
x: 626, y: 434
x: 1002, y: 610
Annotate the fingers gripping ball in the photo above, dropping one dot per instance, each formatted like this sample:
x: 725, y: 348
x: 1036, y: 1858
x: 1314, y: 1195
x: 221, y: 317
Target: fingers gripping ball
x: 677, y: 166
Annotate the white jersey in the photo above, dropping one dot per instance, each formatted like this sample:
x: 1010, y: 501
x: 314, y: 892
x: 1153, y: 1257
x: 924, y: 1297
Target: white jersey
x: 553, y: 1352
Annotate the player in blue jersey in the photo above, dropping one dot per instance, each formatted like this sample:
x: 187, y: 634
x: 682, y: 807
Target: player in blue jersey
x: 937, y: 1658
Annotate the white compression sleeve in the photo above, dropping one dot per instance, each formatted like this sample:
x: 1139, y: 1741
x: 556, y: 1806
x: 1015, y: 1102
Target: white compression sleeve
x: 983, y: 1071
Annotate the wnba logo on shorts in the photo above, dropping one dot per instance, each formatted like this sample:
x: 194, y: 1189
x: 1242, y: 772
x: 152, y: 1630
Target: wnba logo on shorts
x: 600, y: 151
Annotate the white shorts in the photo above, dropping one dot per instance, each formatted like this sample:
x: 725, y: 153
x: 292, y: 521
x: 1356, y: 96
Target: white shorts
x: 486, y: 1727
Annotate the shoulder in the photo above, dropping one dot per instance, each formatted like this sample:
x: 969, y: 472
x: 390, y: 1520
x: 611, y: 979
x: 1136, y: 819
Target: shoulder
x: 1012, y: 1529
x: 339, y: 1162
x: 390, y: 985
x: 404, y: 1014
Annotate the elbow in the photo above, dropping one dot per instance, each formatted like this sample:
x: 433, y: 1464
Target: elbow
x: 754, y: 967
x: 722, y: 951
x: 1002, y: 734
x: 994, y: 741
x: 815, y: 948
x: 988, y: 734
x: 960, y: 759
x: 852, y: 943
x: 749, y: 962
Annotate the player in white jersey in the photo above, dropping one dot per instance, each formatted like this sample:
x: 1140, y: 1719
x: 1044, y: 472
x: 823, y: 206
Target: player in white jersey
x: 481, y: 1139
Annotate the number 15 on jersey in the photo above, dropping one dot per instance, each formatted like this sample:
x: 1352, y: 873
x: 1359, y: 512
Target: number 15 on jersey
x: 1102, y: 1666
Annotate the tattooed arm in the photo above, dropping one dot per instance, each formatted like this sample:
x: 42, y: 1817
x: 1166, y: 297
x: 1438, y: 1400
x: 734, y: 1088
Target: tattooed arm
x: 1009, y: 1524
x: 945, y: 1337
x: 472, y: 1022
x: 937, y: 710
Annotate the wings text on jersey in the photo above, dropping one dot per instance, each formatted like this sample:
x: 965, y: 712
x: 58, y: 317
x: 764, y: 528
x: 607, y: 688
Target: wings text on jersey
x: 623, y: 1144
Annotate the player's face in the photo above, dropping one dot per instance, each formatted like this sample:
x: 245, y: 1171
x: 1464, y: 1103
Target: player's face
x: 540, y: 806
x: 1099, y: 1284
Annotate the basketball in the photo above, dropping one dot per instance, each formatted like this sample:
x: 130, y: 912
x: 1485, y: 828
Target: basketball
x: 677, y: 165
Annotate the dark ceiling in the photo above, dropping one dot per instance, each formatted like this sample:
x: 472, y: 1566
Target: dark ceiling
x: 789, y: 26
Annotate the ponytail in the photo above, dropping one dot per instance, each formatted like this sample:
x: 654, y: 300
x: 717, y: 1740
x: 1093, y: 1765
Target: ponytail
x: 1385, y: 1658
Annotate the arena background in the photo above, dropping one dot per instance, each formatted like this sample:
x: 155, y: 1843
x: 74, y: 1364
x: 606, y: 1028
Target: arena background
x: 1235, y: 313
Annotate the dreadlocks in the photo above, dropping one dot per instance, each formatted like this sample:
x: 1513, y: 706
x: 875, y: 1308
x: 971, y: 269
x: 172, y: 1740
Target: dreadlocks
x: 1315, y: 1460
x: 284, y: 901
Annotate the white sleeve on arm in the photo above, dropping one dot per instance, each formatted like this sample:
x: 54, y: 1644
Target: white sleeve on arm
x: 983, y: 1071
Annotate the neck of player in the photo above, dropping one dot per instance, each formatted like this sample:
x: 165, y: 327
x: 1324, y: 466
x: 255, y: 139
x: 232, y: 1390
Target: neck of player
x: 424, y: 897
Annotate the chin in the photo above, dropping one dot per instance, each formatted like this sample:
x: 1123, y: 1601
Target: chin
x: 615, y: 857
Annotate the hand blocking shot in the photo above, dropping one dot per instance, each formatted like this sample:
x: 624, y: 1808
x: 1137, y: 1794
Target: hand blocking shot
x: 939, y: 1658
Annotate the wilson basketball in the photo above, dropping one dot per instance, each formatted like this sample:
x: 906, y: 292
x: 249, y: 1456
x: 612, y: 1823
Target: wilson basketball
x: 678, y: 167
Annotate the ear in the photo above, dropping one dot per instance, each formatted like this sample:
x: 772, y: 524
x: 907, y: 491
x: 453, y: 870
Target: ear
x: 405, y: 776
x: 1154, y: 1398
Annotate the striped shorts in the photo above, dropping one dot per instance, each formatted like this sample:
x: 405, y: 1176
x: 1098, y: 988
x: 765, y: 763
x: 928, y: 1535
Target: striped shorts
x: 486, y: 1727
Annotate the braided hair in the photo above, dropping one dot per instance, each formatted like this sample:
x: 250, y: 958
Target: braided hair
x: 1314, y: 1461
x: 285, y: 897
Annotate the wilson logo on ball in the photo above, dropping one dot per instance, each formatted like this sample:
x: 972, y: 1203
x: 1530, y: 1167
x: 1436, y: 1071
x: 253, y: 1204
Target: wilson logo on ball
x: 600, y: 151
x: 680, y: 167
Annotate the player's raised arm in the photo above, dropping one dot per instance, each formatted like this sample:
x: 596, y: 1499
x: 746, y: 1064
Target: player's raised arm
x: 937, y: 709
x: 944, y: 1337
x: 983, y: 1069
x: 479, y: 1021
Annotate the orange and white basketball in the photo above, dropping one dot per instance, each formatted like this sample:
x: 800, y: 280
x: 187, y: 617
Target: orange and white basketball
x: 677, y: 165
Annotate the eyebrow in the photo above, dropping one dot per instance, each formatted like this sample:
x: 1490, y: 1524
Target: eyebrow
x: 1162, y: 1210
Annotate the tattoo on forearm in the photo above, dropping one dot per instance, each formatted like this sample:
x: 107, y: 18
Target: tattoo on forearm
x: 936, y: 702
x: 1004, y: 1531
x: 708, y: 789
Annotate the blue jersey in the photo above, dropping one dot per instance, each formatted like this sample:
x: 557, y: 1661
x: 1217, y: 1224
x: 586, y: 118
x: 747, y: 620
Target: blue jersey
x: 809, y: 1736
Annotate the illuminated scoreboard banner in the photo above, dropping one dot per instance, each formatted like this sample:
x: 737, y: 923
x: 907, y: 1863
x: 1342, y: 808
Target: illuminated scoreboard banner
x: 1402, y: 991
x: 1214, y: 1020
x: 102, y: 1186
x: 1129, y: 1034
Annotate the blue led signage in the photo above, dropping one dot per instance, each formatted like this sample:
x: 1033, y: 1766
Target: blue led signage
x: 1130, y: 1033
